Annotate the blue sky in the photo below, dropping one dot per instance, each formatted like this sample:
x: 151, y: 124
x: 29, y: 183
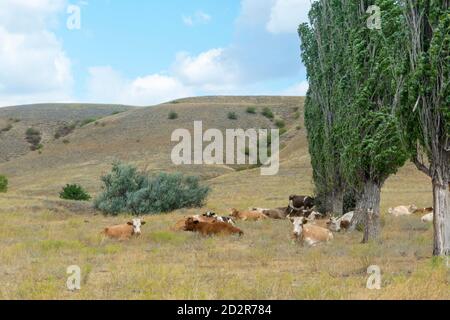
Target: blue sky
x: 147, y: 52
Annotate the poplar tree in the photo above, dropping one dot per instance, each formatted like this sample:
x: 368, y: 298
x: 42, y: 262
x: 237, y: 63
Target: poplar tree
x: 425, y: 111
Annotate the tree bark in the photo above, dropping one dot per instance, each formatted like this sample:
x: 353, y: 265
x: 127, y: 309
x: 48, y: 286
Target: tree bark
x: 441, y: 201
x: 338, y: 202
x: 367, y: 213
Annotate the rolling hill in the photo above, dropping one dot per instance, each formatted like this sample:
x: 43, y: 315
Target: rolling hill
x: 47, y: 119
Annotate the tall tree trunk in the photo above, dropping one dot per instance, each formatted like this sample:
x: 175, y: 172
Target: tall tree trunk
x: 338, y: 202
x: 441, y: 205
x: 367, y: 213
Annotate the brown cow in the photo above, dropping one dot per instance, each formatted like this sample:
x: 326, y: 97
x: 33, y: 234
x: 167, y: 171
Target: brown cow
x: 423, y: 211
x: 308, y: 233
x: 247, y: 215
x: 179, y: 226
x: 124, y: 231
x: 278, y: 213
x: 208, y: 229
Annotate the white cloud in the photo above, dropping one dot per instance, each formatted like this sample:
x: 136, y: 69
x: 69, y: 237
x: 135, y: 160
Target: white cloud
x: 286, y: 15
x: 198, y: 18
x: 106, y: 84
x: 209, y: 70
x: 33, y: 64
x: 299, y: 89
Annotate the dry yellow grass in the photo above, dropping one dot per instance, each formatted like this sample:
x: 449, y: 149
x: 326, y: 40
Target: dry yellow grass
x: 40, y: 236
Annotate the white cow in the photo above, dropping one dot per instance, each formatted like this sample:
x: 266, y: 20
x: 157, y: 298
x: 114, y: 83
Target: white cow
x: 402, y: 210
x: 428, y: 217
x: 344, y: 222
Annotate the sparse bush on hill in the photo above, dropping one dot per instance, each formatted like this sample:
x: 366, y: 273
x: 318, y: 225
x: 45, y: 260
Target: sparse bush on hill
x: 232, y: 116
x: 251, y: 110
x: 173, y: 115
x: 280, y: 123
x: 85, y: 122
x: 33, y: 137
x: 7, y: 128
x: 64, y: 130
x: 128, y: 190
x: 74, y: 192
x: 267, y: 112
x: 3, y: 184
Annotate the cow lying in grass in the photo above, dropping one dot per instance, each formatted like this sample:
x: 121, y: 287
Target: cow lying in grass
x: 124, y: 231
x: 309, y: 233
x: 213, y: 228
x: 342, y: 223
x: 402, y: 210
x: 428, y: 217
x: 213, y: 215
x: 247, y: 215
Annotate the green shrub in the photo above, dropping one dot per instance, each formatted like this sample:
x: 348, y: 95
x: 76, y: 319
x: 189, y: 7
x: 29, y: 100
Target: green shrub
x: 3, y: 184
x: 232, y: 116
x: 267, y: 112
x: 173, y: 115
x: 33, y: 137
x: 7, y: 128
x: 74, y: 192
x: 251, y: 110
x: 280, y: 123
x: 64, y: 130
x: 128, y: 190
x: 85, y: 122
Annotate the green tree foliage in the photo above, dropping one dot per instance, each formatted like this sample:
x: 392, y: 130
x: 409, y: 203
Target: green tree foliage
x: 74, y: 192
x: 128, y: 190
x: 354, y: 74
x: 3, y: 184
x: 425, y: 109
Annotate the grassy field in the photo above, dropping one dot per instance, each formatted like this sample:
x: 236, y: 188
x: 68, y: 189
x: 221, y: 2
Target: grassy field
x: 41, y: 235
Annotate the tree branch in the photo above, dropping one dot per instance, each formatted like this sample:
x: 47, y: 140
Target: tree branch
x: 421, y: 166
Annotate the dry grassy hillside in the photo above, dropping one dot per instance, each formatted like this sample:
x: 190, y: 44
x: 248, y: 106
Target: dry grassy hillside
x: 40, y: 235
x: 143, y: 137
x: 47, y: 119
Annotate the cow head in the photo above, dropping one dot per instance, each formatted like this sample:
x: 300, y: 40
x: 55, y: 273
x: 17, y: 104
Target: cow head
x: 234, y: 212
x: 136, y: 223
x: 334, y: 224
x: 190, y: 224
x: 210, y: 214
x: 412, y: 208
x: 298, y: 223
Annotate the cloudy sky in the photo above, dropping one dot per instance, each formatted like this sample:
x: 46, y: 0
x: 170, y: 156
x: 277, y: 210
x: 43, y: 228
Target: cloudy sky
x: 147, y: 52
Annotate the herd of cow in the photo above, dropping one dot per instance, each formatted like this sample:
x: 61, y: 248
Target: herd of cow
x: 309, y: 226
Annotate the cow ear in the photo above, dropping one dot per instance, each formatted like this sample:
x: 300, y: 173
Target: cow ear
x: 129, y: 223
x: 305, y: 221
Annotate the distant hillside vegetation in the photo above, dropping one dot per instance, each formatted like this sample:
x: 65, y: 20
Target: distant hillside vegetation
x: 141, y: 136
x: 49, y: 120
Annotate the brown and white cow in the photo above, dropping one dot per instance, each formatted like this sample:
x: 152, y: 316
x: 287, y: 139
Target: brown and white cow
x: 207, y: 229
x: 277, y: 213
x: 299, y: 203
x: 402, y: 210
x: 423, y: 211
x: 229, y: 220
x: 309, y: 233
x: 342, y: 223
x: 247, y: 215
x: 124, y: 231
